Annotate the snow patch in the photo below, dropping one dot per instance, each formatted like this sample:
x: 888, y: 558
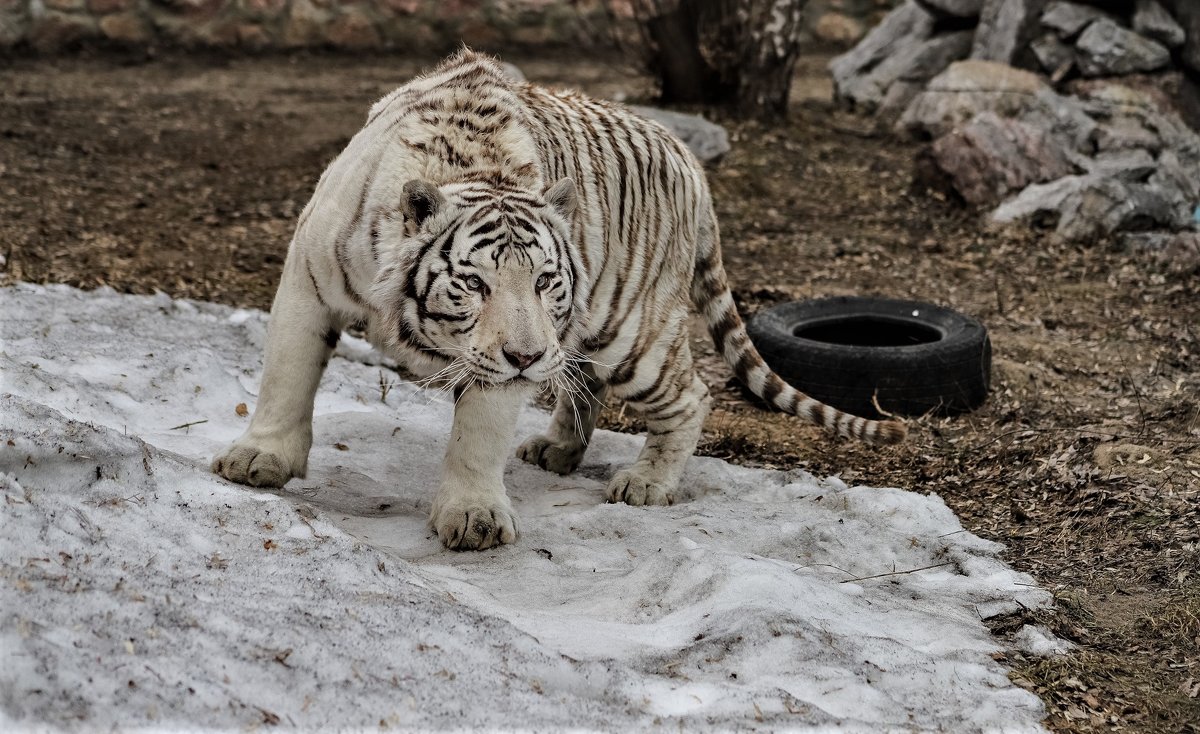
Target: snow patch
x: 143, y: 591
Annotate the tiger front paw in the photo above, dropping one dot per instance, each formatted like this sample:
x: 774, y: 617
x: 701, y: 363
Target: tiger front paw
x: 259, y: 464
x: 630, y: 487
x: 542, y: 452
x: 473, y: 520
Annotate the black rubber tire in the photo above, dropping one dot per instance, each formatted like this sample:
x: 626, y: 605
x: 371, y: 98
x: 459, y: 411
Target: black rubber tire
x: 949, y: 372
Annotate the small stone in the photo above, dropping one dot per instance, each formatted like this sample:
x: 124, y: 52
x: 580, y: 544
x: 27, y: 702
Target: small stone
x: 512, y: 71
x: 252, y: 35
x: 352, y: 30
x: 838, y: 28
x: 1054, y: 56
x: 1005, y: 28
x: 953, y: 8
x: 1177, y: 250
x: 14, y: 25
x: 1152, y: 20
x: 104, y: 7
x: 125, y: 28
x: 402, y: 7
x: 1107, y: 49
x: 708, y: 141
x: 55, y: 31
x: 1069, y: 19
x: 477, y: 34
x: 305, y: 24
x: 263, y: 9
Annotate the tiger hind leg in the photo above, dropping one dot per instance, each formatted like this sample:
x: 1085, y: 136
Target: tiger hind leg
x: 674, y: 421
x: 561, y: 448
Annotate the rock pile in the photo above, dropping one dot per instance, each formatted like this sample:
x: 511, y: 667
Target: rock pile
x: 1066, y: 114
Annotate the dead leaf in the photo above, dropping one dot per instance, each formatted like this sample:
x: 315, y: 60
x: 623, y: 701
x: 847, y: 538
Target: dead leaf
x: 341, y: 447
x: 242, y: 410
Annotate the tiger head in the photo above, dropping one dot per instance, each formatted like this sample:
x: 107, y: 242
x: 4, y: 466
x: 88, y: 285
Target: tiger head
x: 485, y: 277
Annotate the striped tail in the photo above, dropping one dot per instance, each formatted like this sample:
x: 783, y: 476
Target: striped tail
x: 710, y: 294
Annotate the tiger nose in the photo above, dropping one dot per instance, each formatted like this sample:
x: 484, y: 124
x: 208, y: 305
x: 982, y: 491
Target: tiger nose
x: 519, y: 360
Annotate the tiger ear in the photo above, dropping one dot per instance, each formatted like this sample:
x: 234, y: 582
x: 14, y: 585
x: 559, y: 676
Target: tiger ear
x: 562, y: 196
x: 420, y: 200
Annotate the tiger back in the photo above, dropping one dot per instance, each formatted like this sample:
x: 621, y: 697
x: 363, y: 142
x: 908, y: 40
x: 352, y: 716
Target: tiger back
x: 495, y: 236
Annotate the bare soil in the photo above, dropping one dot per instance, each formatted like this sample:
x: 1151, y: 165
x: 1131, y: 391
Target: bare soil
x: 185, y: 174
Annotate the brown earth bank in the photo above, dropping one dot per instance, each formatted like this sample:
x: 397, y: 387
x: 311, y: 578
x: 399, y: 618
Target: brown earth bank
x: 185, y: 174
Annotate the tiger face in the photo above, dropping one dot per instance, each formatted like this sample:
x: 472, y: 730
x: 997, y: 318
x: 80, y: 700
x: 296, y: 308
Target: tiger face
x: 486, y: 279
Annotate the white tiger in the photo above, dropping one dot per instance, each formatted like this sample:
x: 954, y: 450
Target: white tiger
x: 497, y: 235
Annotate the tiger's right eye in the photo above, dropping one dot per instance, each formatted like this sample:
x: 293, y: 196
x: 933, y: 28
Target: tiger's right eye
x: 474, y: 282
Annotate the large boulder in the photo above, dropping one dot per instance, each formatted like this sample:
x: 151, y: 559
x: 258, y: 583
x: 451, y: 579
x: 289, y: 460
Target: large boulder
x: 1136, y: 118
x: 1092, y: 206
x: 1005, y: 28
x: 968, y: 88
x: 902, y: 28
x: 991, y: 157
x: 890, y: 86
x: 1106, y: 49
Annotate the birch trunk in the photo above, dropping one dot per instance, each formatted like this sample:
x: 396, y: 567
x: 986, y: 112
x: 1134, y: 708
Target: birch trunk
x: 738, y: 54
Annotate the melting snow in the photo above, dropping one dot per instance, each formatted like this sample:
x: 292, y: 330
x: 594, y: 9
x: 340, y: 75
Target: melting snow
x: 141, y: 591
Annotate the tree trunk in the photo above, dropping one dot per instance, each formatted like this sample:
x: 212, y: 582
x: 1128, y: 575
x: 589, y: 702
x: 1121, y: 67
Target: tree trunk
x: 769, y: 51
x: 737, y: 54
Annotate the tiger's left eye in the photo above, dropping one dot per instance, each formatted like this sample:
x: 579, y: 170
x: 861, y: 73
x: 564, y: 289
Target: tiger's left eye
x: 474, y: 282
x: 543, y: 282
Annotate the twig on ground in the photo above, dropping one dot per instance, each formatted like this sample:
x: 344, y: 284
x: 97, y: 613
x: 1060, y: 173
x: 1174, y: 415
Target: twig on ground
x: 899, y: 573
x: 187, y: 425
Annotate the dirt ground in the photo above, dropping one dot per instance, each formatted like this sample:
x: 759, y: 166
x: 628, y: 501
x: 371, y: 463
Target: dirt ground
x: 186, y: 174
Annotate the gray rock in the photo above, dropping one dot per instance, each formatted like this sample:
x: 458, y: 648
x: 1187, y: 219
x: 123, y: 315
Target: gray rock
x: 1187, y: 13
x: 1093, y: 206
x: 953, y: 8
x: 1055, y: 56
x: 512, y: 71
x: 1080, y: 208
x: 1131, y: 118
x: 708, y: 141
x: 1152, y: 20
x: 1005, y: 29
x: 968, y: 88
x: 991, y: 157
x: 1178, y: 250
x: 1068, y: 20
x: 1133, y: 165
x: 910, y: 64
x: 1107, y: 49
x: 900, y: 28
x: 1179, y: 180
x: 14, y: 24
x: 1125, y: 132
x: 898, y: 97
